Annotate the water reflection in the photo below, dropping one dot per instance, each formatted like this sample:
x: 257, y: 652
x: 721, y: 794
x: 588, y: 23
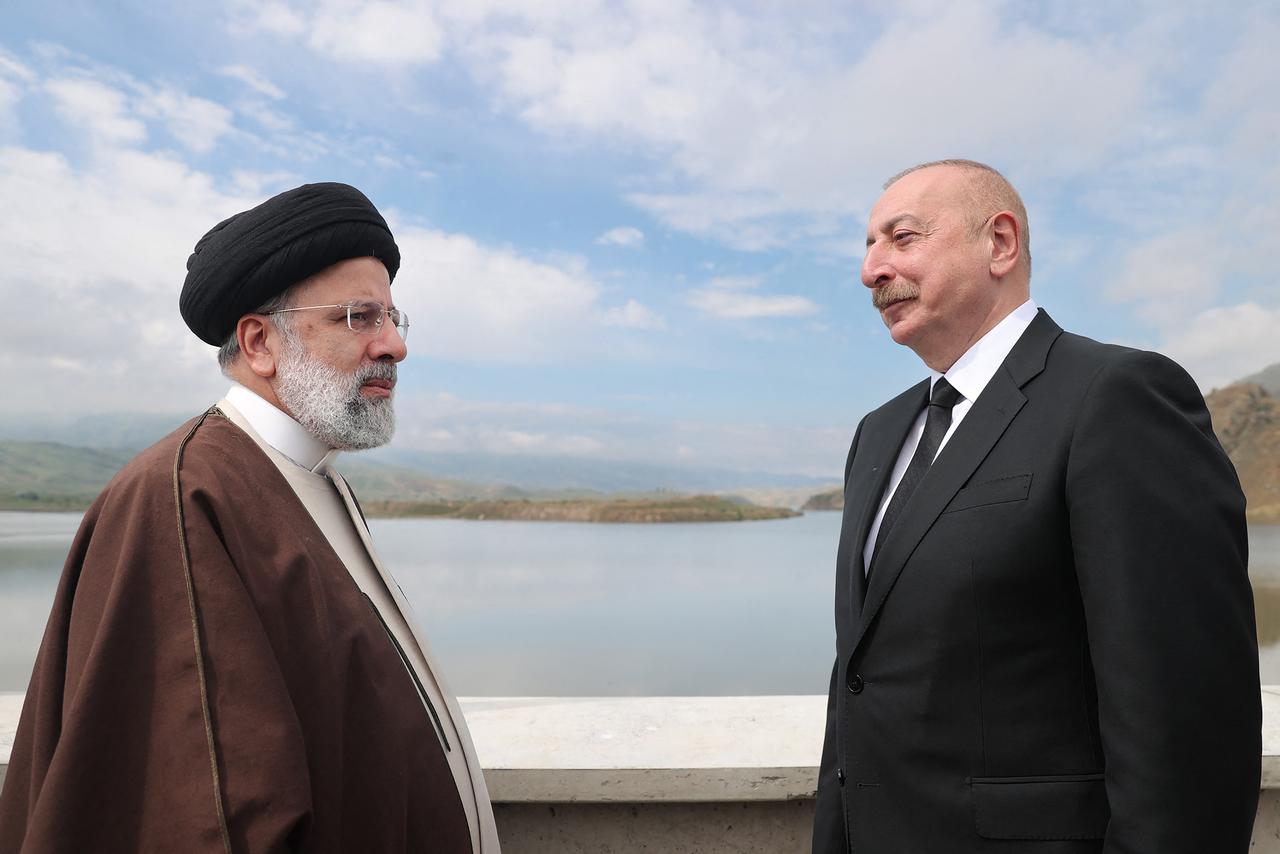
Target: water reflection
x: 564, y: 609
x: 1264, y: 571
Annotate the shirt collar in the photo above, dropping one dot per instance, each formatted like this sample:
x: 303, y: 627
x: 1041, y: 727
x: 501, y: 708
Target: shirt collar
x: 972, y: 371
x: 280, y: 431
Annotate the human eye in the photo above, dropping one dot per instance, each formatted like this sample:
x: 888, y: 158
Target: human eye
x: 903, y: 235
x: 364, y: 316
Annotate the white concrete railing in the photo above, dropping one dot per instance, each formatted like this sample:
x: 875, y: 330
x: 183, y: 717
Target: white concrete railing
x: 580, y: 774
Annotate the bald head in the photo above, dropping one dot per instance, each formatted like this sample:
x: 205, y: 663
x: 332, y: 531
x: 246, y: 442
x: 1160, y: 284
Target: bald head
x: 985, y: 193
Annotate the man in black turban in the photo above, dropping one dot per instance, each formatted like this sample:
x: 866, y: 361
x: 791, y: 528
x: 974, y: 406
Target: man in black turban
x: 228, y: 665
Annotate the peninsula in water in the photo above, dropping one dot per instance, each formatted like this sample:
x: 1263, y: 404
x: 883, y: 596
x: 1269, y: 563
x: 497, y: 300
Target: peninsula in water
x: 693, y: 508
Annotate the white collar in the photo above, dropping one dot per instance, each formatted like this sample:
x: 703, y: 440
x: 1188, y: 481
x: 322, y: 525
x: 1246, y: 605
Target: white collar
x: 280, y: 431
x: 972, y: 371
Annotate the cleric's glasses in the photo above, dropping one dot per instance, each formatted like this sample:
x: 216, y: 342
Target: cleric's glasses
x: 364, y: 316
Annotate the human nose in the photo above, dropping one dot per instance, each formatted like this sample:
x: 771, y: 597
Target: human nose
x: 876, y: 270
x: 388, y: 344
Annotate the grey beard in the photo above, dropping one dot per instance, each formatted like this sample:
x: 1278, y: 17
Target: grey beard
x: 328, y: 403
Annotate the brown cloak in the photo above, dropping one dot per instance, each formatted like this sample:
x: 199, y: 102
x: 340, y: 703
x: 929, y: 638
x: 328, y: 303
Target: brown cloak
x: 212, y: 680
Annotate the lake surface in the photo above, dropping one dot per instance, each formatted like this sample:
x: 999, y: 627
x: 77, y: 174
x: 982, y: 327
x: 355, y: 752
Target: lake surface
x: 547, y: 608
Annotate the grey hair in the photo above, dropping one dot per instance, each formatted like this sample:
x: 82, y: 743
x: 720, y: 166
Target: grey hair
x: 992, y: 193
x: 230, y: 348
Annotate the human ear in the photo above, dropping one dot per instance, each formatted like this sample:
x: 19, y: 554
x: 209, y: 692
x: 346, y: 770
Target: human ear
x: 252, y: 333
x: 1006, y: 244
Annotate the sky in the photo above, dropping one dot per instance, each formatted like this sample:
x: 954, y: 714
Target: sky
x: 630, y: 230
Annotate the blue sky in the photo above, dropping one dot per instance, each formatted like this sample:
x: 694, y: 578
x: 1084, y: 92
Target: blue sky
x: 631, y: 230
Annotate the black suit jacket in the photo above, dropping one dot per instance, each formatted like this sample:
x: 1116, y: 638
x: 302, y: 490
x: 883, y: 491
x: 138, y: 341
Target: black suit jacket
x: 1055, y: 651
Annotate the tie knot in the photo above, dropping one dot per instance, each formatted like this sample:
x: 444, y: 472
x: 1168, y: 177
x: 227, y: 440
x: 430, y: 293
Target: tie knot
x: 944, y: 394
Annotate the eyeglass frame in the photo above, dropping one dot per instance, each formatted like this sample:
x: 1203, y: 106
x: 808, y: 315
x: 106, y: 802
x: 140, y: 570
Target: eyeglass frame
x: 384, y: 314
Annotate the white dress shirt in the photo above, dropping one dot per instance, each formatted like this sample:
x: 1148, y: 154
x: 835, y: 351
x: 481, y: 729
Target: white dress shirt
x: 969, y: 376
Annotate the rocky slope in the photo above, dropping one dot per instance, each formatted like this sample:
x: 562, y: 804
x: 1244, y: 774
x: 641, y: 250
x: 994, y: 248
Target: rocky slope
x: 1246, y: 418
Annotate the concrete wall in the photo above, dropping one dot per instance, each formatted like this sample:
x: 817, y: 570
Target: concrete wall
x: 697, y: 775
x: 755, y: 827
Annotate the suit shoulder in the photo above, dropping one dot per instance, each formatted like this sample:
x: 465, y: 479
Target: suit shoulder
x: 1096, y: 360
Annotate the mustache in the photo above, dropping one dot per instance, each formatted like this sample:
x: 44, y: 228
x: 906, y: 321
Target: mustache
x: 375, y: 371
x: 886, y: 295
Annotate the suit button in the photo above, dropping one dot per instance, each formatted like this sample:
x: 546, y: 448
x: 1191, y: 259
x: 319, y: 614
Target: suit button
x: 855, y: 683
x: 840, y: 776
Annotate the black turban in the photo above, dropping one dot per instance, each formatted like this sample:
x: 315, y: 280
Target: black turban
x: 260, y: 253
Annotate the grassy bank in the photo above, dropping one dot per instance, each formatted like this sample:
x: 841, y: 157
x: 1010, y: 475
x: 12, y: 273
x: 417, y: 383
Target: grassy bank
x: 45, y: 503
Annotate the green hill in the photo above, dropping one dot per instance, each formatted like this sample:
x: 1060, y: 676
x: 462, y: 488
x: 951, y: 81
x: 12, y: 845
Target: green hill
x: 51, y: 476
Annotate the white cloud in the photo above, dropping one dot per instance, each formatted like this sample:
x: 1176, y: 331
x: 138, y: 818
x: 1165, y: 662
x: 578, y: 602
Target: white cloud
x: 135, y: 216
x: 1170, y: 276
x: 108, y: 243
x: 625, y: 235
x: 481, y: 303
x: 387, y: 33
x: 99, y: 109
x: 10, y: 94
x: 274, y: 121
x: 735, y: 283
x: 254, y: 80
x: 195, y: 122
x: 444, y: 422
x: 632, y: 315
x: 271, y: 17
x: 1223, y: 344
x: 726, y: 297
x: 383, y: 32
x: 14, y: 69
x: 15, y: 77
x: 738, y: 306
x: 770, y: 133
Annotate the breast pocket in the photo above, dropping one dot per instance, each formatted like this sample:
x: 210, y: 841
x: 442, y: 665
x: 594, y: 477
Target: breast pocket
x: 1001, y: 490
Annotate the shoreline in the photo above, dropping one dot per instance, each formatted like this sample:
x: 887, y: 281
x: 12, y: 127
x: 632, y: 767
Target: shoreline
x: 696, y: 508
x: 665, y: 510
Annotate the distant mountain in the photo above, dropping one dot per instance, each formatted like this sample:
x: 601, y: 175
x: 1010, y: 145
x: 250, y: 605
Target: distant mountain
x: 131, y: 431
x: 529, y: 471
x: 54, y: 475
x: 375, y: 481
x: 794, y: 497
x: 456, y: 475
x: 832, y: 499
x: 1268, y: 378
x: 49, y: 474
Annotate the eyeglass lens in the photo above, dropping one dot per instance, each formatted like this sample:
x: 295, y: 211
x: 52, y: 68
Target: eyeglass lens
x: 367, y: 317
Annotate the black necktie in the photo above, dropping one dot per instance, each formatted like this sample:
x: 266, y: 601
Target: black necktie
x: 936, y: 423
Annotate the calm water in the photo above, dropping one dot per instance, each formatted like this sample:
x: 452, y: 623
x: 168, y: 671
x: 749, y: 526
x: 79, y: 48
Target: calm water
x: 518, y: 608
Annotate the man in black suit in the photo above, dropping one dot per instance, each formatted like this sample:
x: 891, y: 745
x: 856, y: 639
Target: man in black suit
x: 1044, y: 627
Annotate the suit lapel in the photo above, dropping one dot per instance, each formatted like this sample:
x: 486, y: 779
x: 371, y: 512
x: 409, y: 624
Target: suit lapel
x: 883, y: 435
x: 977, y: 434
